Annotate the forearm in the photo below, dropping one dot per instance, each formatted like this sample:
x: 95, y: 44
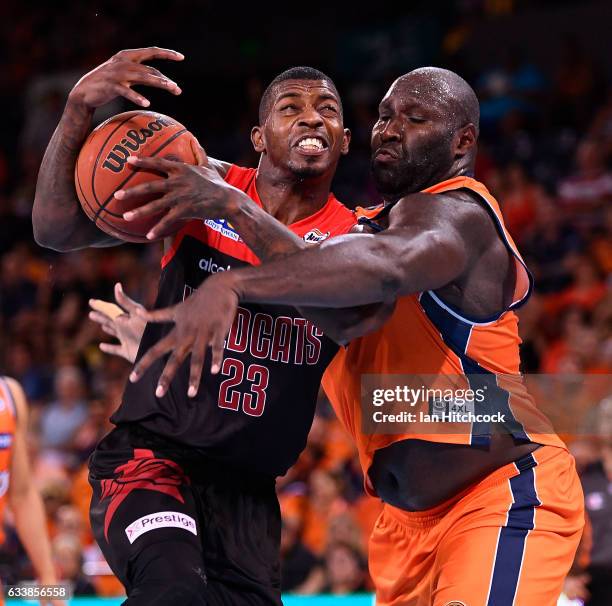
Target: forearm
x: 354, y: 270
x: 267, y: 237
x: 57, y: 218
x: 32, y: 531
x: 347, y: 271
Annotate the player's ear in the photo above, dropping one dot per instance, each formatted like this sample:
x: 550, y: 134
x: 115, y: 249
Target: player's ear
x: 346, y: 141
x: 465, y: 140
x: 257, y: 138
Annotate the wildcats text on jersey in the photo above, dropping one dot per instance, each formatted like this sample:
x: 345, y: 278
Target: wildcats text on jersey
x: 271, y: 338
x: 268, y: 337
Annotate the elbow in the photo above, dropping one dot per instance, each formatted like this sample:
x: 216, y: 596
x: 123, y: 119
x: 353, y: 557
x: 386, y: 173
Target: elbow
x: 46, y: 239
x: 42, y: 235
x: 42, y: 230
x: 46, y: 235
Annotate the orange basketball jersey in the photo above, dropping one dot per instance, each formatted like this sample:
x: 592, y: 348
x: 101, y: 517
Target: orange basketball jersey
x: 7, y: 435
x: 426, y: 336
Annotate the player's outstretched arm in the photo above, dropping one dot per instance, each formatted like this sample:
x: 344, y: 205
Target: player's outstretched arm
x: 430, y: 242
x: 58, y: 221
x: 25, y: 500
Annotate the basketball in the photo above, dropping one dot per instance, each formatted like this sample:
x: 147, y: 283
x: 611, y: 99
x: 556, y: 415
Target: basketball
x: 102, y: 168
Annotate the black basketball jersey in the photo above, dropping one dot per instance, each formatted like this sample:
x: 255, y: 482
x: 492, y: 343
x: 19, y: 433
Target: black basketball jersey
x: 257, y: 411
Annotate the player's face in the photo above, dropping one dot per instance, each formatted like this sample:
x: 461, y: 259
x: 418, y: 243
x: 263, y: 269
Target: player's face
x: 304, y: 132
x: 411, y: 141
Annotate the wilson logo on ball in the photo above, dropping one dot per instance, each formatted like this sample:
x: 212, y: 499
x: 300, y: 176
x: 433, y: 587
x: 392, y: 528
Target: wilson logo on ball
x: 102, y: 168
x: 133, y: 140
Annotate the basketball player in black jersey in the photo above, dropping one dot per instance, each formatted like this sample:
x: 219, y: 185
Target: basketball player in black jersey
x: 184, y: 506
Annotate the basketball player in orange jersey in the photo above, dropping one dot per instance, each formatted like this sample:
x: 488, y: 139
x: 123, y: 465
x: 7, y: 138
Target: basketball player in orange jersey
x: 17, y: 488
x: 184, y: 505
x: 490, y: 513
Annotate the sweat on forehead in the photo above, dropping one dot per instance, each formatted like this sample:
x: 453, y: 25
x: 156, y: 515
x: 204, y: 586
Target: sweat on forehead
x: 444, y: 88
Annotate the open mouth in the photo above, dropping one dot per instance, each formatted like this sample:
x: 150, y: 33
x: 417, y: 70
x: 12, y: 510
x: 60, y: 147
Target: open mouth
x: 311, y: 145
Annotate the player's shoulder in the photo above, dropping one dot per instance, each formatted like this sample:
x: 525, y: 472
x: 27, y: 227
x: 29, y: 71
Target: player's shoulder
x: 335, y: 218
x: 16, y: 394
x: 240, y: 177
x: 462, y: 208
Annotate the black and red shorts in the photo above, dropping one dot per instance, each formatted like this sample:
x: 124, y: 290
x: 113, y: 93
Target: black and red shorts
x: 181, y: 529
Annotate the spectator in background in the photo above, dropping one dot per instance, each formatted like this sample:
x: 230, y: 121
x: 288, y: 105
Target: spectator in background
x: 592, y: 573
x: 343, y: 528
x: 519, y: 199
x: 589, y: 189
x: 63, y: 417
x: 346, y: 570
x: 325, y: 499
x: 601, y: 243
x: 302, y: 572
x: 547, y: 242
x: 586, y: 291
x: 33, y: 377
x: 67, y: 551
x: 575, y: 82
x: 92, y: 430
x: 17, y: 290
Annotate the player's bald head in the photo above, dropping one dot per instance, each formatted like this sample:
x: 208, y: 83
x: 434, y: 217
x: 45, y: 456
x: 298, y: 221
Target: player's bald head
x: 426, y: 132
x: 444, y: 89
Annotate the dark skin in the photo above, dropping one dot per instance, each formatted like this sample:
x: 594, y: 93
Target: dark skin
x: 446, y: 242
x: 293, y: 183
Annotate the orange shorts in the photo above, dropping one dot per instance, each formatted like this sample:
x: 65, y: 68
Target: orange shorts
x: 508, y: 540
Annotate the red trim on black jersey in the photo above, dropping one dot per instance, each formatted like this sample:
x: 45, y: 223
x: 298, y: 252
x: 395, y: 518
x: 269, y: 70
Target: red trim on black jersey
x: 333, y: 217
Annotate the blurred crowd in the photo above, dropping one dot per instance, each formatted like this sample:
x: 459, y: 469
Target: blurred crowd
x: 545, y: 153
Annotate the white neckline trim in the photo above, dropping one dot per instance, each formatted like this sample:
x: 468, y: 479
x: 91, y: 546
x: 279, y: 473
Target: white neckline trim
x: 443, y: 305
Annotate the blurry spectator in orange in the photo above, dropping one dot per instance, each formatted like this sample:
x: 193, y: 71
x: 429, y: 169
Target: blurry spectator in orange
x: 346, y: 570
x: 324, y: 501
x: 578, y: 349
x: 601, y: 243
x: 586, y: 291
x: 365, y: 512
x: 328, y: 447
x: 16, y: 485
x: 67, y: 551
x: 343, y: 528
x: 519, y: 198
